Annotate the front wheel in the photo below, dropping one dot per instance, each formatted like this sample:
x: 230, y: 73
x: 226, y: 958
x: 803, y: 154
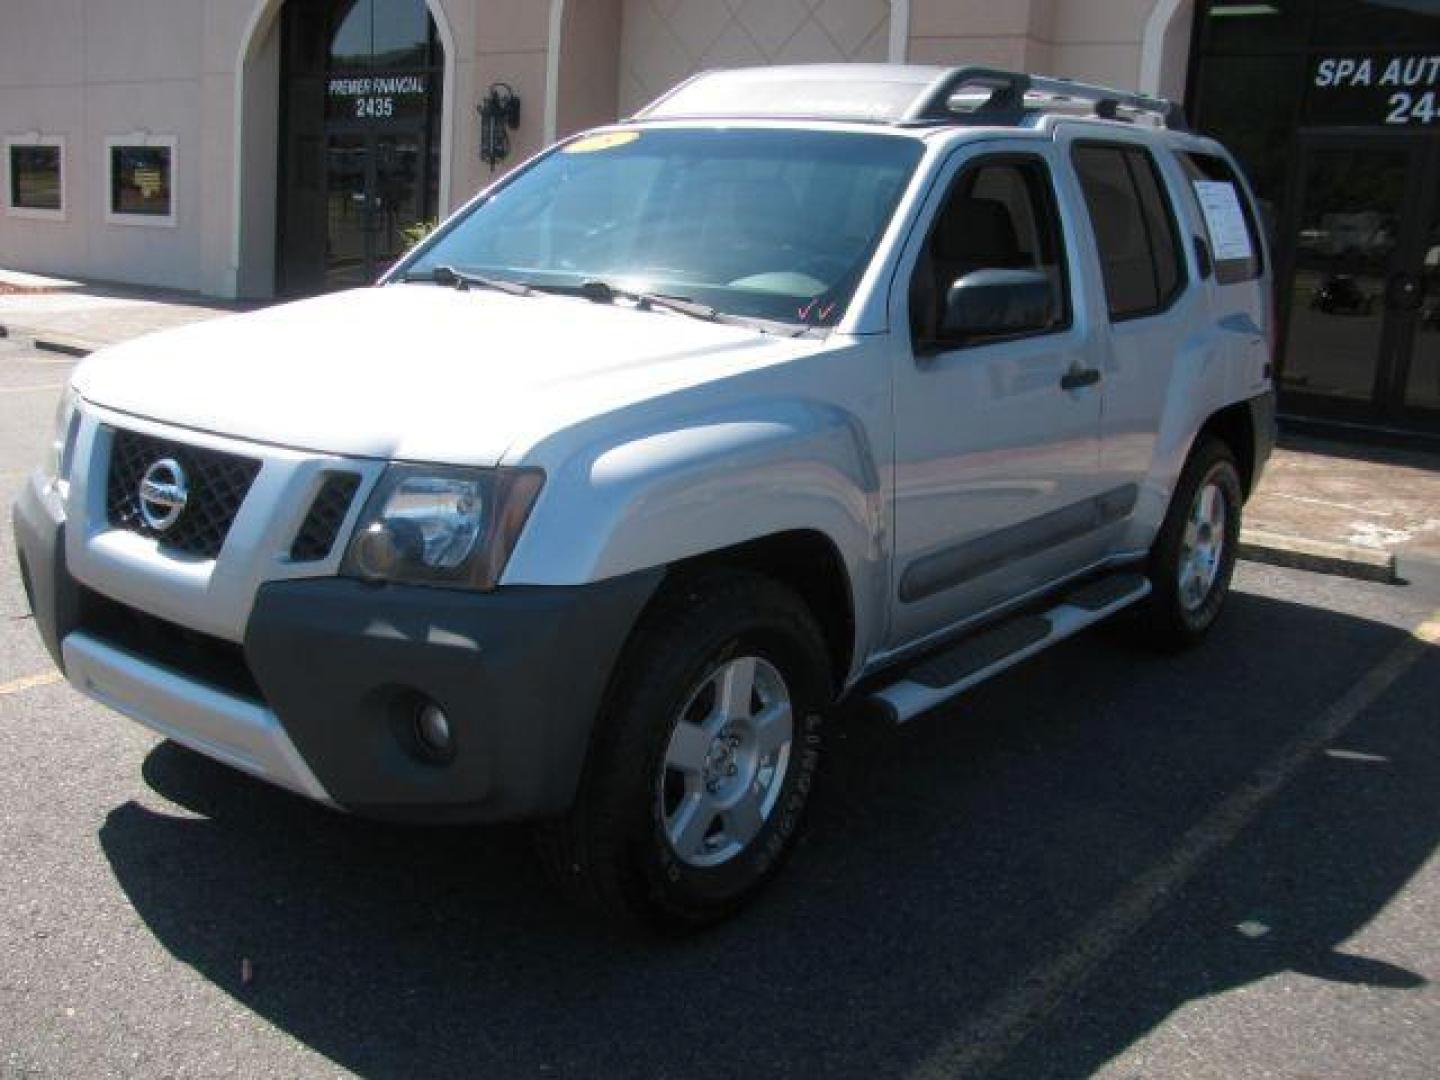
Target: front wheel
x: 1194, y: 556
x: 704, y: 760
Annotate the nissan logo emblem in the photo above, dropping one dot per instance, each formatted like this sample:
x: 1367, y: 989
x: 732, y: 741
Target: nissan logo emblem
x: 164, y: 491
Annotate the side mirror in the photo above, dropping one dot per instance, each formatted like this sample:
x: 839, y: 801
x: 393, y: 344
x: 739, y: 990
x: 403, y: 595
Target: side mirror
x: 984, y: 303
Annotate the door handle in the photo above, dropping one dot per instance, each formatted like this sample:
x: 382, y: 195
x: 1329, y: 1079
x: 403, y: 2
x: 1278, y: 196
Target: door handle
x: 1078, y: 377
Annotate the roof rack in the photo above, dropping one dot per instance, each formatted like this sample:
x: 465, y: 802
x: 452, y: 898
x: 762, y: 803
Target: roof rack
x: 1006, y: 103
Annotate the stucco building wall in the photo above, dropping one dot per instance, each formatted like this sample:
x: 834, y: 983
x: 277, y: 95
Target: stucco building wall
x: 206, y: 73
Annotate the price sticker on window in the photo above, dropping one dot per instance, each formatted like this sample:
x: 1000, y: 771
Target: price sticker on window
x: 1224, y: 220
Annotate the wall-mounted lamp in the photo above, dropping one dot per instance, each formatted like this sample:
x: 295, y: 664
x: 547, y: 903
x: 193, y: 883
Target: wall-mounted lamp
x: 499, y: 115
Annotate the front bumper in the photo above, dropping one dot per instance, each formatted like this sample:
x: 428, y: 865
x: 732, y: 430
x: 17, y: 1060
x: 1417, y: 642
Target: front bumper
x: 320, y: 696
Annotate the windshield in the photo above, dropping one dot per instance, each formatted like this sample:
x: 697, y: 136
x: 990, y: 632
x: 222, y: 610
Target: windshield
x: 773, y: 224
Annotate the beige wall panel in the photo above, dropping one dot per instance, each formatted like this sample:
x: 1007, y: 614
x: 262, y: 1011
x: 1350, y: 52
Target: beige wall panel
x: 39, y: 42
x: 589, y: 86
x: 509, y: 26
x: 1016, y: 53
x: 1091, y: 21
x: 664, y: 41
x: 1110, y: 65
x: 143, y: 39
x: 970, y: 18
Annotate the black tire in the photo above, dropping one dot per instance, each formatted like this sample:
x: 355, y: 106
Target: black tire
x: 1169, y: 621
x: 612, y: 851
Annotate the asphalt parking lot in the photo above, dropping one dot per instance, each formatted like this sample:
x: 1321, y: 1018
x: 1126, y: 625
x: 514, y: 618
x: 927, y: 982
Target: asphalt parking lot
x: 1215, y: 865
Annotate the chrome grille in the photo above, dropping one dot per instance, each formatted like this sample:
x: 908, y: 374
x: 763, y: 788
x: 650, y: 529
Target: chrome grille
x: 218, y: 485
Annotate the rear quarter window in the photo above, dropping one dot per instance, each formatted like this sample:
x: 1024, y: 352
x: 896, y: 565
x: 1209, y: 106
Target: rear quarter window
x: 1134, y: 227
x: 1206, y: 171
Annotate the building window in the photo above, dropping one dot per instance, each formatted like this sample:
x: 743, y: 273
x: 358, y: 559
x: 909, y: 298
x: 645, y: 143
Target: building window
x: 35, y: 183
x: 141, y: 181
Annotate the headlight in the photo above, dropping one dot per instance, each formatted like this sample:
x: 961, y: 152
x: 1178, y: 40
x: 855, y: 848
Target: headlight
x: 435, y: 526
x: 62, y: 442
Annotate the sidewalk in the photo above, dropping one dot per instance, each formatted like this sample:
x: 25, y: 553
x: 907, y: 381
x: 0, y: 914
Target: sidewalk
x: 77, y: 318
x: 1365, y: 506
x: 1325, y: 506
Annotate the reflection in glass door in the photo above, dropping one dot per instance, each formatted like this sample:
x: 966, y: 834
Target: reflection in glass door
x: 347, y: 211
x: 1346, y: 240
x: 1363, y: 293
x: 1422, y: 382
x: 398, y: 197
x: 374, y: 194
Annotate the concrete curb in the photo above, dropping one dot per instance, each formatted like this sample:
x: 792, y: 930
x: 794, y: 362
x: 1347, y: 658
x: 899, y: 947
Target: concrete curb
x: 68, y: 346
x: 1319, y: 556
x: 56, y: 343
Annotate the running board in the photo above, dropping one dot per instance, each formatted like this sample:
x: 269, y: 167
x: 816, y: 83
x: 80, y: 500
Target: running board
x: 943, y: 675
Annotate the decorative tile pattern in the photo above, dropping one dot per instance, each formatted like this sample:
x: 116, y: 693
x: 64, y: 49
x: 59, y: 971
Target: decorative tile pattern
x: 663, y: 41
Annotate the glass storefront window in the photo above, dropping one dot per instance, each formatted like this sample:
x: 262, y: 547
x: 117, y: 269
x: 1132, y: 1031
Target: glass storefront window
x: 1246, y: 26
x: 36, y: 185
x: 1251, y: 106
x: 1346, y: 23
x: 142, y: 182
x: 382, y: 33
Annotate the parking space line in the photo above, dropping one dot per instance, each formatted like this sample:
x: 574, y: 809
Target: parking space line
x: 29, y: 682
x: 31, y: 389
x: 998, y: 1030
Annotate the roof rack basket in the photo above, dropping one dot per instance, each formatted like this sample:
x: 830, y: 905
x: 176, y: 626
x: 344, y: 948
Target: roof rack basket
x: 1006, y: 103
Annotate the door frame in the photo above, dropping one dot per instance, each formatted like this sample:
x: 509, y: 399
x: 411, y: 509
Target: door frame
x: 1386, y: 405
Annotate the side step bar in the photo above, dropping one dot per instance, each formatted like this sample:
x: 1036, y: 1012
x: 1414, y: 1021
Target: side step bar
x: 941, y: 676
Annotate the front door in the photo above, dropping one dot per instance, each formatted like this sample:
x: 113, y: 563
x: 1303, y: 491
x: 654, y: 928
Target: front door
x: 374, y: 198
x: 1360, y: 296
x: 997, y: 459
x: 361, y: 92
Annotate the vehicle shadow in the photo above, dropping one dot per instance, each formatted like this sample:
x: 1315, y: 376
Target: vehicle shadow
x: 943, y: 862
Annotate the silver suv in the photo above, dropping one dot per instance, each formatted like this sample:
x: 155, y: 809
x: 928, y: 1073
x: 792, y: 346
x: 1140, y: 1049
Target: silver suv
x: 803, y: 383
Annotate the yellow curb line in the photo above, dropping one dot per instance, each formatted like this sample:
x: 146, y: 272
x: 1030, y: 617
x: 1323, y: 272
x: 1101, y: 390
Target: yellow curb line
x: 29, y: 682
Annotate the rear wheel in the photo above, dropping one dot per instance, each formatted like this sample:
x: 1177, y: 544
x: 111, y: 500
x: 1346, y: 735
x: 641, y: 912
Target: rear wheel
x: 1194, y: 556
x: 704, y: 760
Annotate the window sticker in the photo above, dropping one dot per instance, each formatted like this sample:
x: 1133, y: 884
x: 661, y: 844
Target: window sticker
x: 1224, y: 219
x: 606, y: 140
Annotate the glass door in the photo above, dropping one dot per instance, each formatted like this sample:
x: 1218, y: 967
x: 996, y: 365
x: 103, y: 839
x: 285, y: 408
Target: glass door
x: 399, y: 197
x: 1354, y: 295
x: 374, y: 196
x: 1422, y: 375
x: 1345, y: 241
x: 348, y: 211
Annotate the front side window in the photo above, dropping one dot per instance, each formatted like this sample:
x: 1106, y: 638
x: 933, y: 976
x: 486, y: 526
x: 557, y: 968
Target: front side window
x: 769, y: 224
x: 36, y: 184
x: 998, y: 215
x: 142, y: 182
x: 1134, y: 228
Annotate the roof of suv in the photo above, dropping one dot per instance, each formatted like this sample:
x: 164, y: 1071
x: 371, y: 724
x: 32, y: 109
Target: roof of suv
x: 901, y: 95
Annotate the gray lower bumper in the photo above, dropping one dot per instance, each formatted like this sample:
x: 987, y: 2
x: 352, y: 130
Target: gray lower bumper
x: 229, y: 729
x: 329, y: 673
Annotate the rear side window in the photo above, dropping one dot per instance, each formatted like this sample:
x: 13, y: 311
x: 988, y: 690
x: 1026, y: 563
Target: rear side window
x: 1134, y: 228
x: 1235, y: 251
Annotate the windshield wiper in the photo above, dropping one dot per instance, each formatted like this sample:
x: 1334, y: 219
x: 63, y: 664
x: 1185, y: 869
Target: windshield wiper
x: 602, y: 292
x: 463, y: 279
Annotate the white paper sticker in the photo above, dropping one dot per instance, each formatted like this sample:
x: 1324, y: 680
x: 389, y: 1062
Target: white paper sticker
x: 1224, y: 219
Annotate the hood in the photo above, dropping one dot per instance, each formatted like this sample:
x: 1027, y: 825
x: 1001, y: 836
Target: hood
x: 418, y: 372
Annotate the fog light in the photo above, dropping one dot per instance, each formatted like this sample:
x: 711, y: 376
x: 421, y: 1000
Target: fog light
x: 432, y: 727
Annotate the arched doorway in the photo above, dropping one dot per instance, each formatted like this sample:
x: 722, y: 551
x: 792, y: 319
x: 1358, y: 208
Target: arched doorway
x: 361, y: 96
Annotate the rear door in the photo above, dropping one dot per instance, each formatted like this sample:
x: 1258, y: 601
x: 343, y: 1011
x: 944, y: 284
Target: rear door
x: 996, y: 440
x: 1151, y: 318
